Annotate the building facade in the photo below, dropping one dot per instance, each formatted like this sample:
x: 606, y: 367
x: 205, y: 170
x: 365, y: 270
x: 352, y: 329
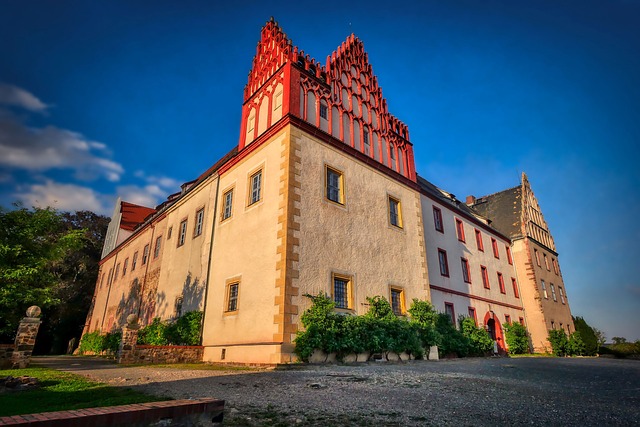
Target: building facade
x: 320, y: 195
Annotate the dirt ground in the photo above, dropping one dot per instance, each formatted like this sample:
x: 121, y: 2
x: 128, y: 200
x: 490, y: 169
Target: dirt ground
x: 474, y: 391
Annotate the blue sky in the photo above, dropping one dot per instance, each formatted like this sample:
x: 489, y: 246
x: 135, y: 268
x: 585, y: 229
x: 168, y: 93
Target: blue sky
x: 131, y: 98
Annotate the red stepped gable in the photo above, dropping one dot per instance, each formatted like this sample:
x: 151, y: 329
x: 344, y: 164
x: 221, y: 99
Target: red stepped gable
x: 341, y: 98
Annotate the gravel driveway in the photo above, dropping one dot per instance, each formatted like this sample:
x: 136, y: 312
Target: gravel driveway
x: 496, y: 391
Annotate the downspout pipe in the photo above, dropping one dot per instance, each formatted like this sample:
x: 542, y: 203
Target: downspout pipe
x: 210, y: 261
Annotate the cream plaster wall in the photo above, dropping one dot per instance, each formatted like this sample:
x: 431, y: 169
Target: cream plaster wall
x: 356, y: 239
x: 185, y: 275
x: 116, y: 299
x: 245, y: 251
x: 456, y: 249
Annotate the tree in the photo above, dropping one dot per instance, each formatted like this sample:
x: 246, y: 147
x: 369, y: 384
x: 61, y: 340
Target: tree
x: 48, y: 258
x: 77, y: 279
x: 587, y: 335
x: 619, y: 340
x: 599, y: 336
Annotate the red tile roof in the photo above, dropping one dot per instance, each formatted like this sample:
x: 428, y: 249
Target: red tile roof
x: 133, y: 215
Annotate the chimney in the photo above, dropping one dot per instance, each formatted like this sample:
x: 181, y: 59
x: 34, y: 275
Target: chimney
x: 471, y: 200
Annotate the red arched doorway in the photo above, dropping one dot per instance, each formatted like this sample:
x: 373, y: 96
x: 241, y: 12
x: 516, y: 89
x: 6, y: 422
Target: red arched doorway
x: 492, y: 324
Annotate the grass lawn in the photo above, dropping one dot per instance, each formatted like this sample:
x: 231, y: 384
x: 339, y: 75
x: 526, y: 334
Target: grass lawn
x: 60, y: 391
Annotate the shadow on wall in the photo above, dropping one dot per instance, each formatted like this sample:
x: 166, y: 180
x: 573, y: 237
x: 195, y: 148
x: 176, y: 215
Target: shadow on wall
x: 150, y: 303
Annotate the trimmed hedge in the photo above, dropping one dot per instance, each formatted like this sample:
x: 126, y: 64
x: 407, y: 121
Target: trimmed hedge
x: 380, y: 331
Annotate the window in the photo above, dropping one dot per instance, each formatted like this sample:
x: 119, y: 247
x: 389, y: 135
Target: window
x: 544, y: 290
x: 448, y: 310
x: 553, y: 292
x: 546, y: 262
x: 134, y: 261
x: 169, y: 233
x: 494, y: 244
x: 507, y: 318
x: 485, y: 277
x: 535, y: 251
x: 437, y: 219
x: 395, y: 214
x: 197, y: 230
x: 178, y: 305
x: 342, y: 292
x: 508, y: 251
x: 465, y: 270
x: 365, y: 137
x: 556, y: 269
x: 460, y: 230
x: 392, y: 156
x: 323, y: 111
x: 125, y: 266
x: 145, y: 254
x: 115, y: 275
x: 250, y: 124
x: 278, y: 101
x: 515, y: 287
x: 156, y: 251
x: 182, y: 232
x: 397, y: 301
x: 501, y: 283
x: 227, y: 204
x: 479, y: 240
x: 232, y: 297
x: 521, y: 320
x: 256, y: 186
x: 472, y: 314
x: 335, y: 186
x: 562, y: 300
x: 444, y: 265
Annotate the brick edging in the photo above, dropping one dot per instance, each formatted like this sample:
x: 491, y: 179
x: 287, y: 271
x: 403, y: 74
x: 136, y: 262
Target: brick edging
x: 117, y: 415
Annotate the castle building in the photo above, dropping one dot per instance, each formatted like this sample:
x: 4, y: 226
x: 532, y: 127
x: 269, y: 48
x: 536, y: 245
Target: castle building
x: 319, y: 196
x: 517, y: 214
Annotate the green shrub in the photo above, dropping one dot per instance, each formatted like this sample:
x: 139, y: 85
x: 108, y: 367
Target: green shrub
x: 112, y: 341
x: 480, y: 343
x: 92, y: 342
x: 153, y: 333
x: 575, y: 346
x: 96, y: 343
x: 186, y: 329
x: 452, y: 341
x: 559, y: 342
x: 424, y: 317
x: 183, y: 331
x: 517, y: 338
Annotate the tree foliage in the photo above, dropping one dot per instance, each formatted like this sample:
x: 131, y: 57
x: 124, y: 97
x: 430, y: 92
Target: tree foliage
x: 588, y: 336
x: 48, y: 258
x: 517, y: 338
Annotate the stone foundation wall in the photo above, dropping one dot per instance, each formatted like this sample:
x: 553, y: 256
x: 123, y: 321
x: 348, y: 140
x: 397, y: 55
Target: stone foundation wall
x: 165, y: 354
x: 6, y: 350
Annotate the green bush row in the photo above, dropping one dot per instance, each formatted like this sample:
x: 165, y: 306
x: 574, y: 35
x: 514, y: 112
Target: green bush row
x: 562, y: 345
x: 622, y: 349
x: 183, y: 331
x: 380, y: 331
x: 97, y: 343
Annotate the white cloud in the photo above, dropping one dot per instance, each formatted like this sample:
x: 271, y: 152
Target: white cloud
x: 17, y: 97
x: 40, y: 149
x: 66, y: 197
x: 169, y: 184
x: 149, y: 195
